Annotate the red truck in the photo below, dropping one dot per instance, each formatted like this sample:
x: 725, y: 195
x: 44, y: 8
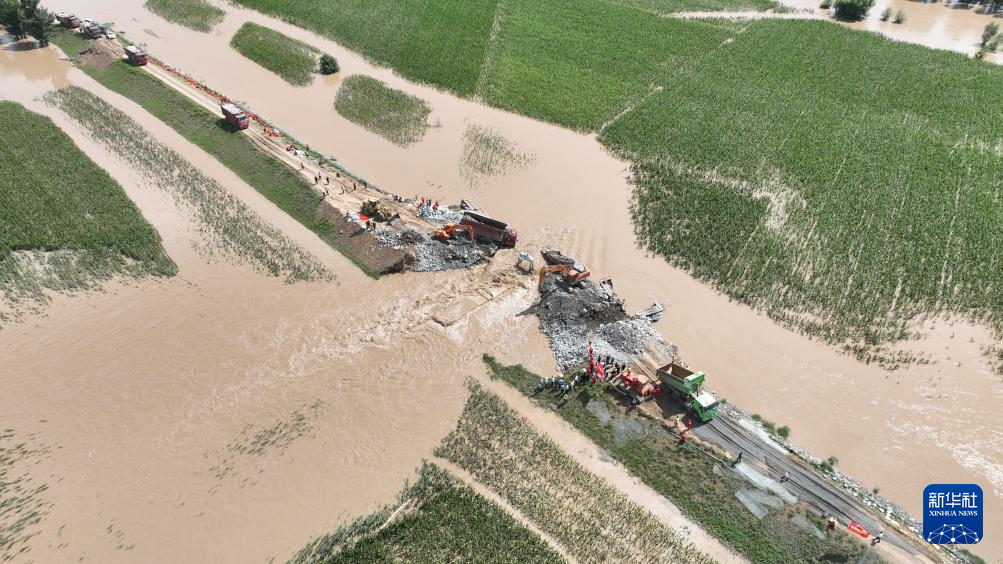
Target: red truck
x: 69, y: 21
x: 234, y: 115
x: 490, y: 230
x: 135, y: 56
x: 90, y: 30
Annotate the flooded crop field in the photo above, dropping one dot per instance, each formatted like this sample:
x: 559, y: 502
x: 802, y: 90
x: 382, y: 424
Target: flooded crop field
x: 270, y: 389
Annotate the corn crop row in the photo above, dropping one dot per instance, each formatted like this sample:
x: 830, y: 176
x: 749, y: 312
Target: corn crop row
x: 65, y: 224
x: 226, y: 227
x: 594, y: 521
x: 23, y: 504
x: 289, y: 58
x: 193, y: 14
x: 437, y: 519
x: 392, y: 114
x: 844, y: 183
x: 486, y: 153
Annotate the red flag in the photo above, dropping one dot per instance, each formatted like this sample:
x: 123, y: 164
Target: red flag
x: 855, y: 528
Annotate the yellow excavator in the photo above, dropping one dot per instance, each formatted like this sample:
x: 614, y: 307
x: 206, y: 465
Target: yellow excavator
x: 377, y: 210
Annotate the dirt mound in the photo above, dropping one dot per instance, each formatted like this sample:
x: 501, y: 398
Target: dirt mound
x: 362, y: 246
x: 100, y: 55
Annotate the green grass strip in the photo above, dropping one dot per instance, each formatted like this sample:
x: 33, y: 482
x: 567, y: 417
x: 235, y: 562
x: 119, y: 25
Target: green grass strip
x: 687, y: 479
x: 289, y: 58
x: 392, y: 114
x: 274, y: 180
x: 444, y: 521
x: 193, y: 14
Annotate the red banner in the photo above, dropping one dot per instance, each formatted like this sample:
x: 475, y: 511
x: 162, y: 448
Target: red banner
x: 855, y: 528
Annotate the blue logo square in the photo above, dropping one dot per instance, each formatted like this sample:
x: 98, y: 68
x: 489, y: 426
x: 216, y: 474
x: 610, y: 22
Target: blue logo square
x: 952, y: 514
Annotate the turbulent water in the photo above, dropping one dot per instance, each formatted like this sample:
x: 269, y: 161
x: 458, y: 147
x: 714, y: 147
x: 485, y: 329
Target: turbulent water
x: 144, y: 390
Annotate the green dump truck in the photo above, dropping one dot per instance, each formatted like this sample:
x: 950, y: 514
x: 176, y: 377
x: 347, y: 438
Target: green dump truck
x: 686, y: 386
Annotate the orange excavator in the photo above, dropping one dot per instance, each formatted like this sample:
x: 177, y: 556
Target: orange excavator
x: 450, y: 229
x: 573, y: 275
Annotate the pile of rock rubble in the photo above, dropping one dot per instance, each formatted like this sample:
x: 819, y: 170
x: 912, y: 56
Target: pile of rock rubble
x: 569, y: 316
x: 433, y: 254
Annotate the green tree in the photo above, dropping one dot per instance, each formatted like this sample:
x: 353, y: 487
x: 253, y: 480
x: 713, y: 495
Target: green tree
x: 13, y: 19
x: 28, y: 7
x: 886, y: 14
x: 40, y: 26
x: 853, y: 10
x: 328, y: 64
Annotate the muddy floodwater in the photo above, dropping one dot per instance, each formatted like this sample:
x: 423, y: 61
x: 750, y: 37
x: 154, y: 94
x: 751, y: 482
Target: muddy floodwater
x: 953, y: 26
x: 151, y: 390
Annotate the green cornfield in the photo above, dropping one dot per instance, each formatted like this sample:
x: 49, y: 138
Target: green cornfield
x: 441, y: 42
x: 591, y: 519
x: 441, y: 520
x: 577, y: 64
x: 847, y: 184
x: 670, y: 6
x: 227, y: 228
x: 193, y: 14
x: 392, y: 114
x: 64, y: 222
x: 289, y: 58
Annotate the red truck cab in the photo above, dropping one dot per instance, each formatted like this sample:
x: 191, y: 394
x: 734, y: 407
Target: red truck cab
x: 90, y: 30
x: 135, y: 56
x: 69, y: 21
x: 234, y: 115
x: 490, y: 230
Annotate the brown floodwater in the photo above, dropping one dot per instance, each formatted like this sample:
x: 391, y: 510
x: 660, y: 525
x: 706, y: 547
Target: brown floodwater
x: 152, y: 395
x: 893, y: 430
x: 941, y: 25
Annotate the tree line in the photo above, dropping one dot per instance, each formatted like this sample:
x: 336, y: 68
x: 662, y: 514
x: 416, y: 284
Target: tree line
x: 23, y: 18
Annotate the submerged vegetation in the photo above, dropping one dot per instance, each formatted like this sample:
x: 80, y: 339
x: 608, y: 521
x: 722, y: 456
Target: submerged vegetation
x: 487, y: 152
x: 23, y: 500
x: 289, y: 58
x: 65, y: 224
x: 273, y: 179
x: 670, y: 467
x: 230, y: 228
x: 438, y: 519
x: 198, y: 15
x: 831, y: 192
x: 392, y: 114
x: 591, y: 519
x: 441, y: 42
x: 850, y: 210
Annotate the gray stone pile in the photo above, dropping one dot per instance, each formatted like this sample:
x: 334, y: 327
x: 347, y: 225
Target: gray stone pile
x: 570, y: 315
x: 441, y: 216
x: 432, y: 254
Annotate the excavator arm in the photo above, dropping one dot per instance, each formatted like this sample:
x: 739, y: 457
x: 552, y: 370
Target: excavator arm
x: 571, y: 276
x: 450, y: 229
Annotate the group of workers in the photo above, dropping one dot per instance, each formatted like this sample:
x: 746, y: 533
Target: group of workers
x: 611, y: 367
x: 427, y: 204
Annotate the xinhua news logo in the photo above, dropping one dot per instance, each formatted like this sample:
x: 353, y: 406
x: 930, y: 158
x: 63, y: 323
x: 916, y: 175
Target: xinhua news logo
x: 952, y: 514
